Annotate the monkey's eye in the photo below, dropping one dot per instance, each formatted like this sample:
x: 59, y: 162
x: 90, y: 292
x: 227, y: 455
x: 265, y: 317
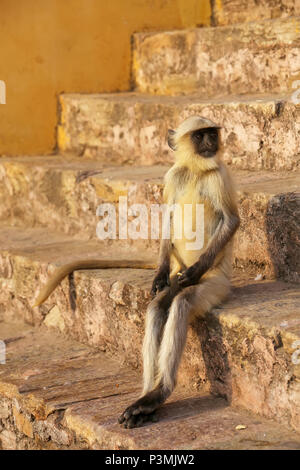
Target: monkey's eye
x: 198, y: 136
x: 213, y: 133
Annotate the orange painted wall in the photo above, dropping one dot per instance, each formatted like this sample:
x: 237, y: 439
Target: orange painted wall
x: 52, y: 46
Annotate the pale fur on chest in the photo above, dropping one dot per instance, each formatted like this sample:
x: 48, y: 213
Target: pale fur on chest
x: 194, y: 194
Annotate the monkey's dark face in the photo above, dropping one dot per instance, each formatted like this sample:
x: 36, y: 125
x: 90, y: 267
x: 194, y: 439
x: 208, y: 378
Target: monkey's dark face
x: 206, y: 142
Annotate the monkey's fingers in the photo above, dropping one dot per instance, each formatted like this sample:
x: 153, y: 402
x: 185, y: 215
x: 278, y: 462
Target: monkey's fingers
x: 185, y: 280
x: 185, y: 283
x: 153, y: 291
x: 159, y: 285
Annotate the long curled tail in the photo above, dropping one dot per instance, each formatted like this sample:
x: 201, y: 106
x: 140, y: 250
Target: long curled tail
x: 63, y: 271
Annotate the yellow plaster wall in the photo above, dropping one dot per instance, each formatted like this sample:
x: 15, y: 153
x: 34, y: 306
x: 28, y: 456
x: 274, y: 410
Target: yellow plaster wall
x: 52, y: 46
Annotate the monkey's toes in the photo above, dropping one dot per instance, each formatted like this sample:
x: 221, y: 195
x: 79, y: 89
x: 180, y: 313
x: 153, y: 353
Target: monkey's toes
x: 131, y: 414
x: 136, y: 421
x: 142, y: 410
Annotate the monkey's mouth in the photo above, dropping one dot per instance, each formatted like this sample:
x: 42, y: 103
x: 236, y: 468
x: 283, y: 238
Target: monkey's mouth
x: 208, y: 153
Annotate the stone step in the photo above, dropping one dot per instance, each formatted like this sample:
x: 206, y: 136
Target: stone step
x: 255, y: 57
x: 63, y: 195
x: 226, y: 12
x: 58, y: 394
x: 245, y: 350
x: 259, y: 131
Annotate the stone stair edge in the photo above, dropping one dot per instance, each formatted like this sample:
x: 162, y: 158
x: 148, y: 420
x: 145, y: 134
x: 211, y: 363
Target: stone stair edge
x: 239, y: 58
x: 221, y: 27
x: 228, y: 12
x: 253, y: 129
x: 74, y: 163
x: 135, y: 95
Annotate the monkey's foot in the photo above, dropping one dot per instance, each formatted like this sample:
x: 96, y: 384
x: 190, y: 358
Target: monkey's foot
x: 143, y: 410
x: 136, y: 421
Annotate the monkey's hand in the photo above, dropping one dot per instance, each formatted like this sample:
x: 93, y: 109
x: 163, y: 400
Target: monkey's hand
x: 191, y: 275
x: 161, y: 280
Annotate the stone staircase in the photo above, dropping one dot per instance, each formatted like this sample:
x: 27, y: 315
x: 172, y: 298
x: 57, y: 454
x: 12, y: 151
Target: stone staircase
x: 60, y: 394
x: 76, y: 361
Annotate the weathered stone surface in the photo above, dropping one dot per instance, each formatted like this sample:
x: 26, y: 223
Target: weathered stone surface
x: 61, y: 369
x: 64, y: 194
x: 239, y: 11
x: 61, y: 194
x: 283, y: 228
x: 22, y: 422
x: 256, y: 57
x: 29, y: 256
x: 242, y: 350
x: 7, y: 440
x: 188, y: 421
x: 258, y: 132
x: 55, y: 319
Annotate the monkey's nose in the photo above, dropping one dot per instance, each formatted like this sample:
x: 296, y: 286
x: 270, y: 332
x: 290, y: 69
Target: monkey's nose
x: 206, y: 140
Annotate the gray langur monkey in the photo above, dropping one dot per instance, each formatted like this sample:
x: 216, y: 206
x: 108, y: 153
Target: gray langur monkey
x: 188, y: 283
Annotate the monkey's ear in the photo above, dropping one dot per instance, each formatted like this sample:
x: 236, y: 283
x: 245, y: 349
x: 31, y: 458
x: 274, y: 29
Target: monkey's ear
x: 170, y: 139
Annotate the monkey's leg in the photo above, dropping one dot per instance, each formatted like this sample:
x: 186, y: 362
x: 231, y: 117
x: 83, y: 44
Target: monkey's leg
x: 194, y: 300
x: 156, y: 317
x: 173, y: 339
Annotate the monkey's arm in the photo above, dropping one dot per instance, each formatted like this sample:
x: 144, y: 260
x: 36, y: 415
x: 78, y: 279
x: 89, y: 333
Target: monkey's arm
x: 162, y: 278
x: 63, y: 271
x: 224, y: 232
x: 229, y: 222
